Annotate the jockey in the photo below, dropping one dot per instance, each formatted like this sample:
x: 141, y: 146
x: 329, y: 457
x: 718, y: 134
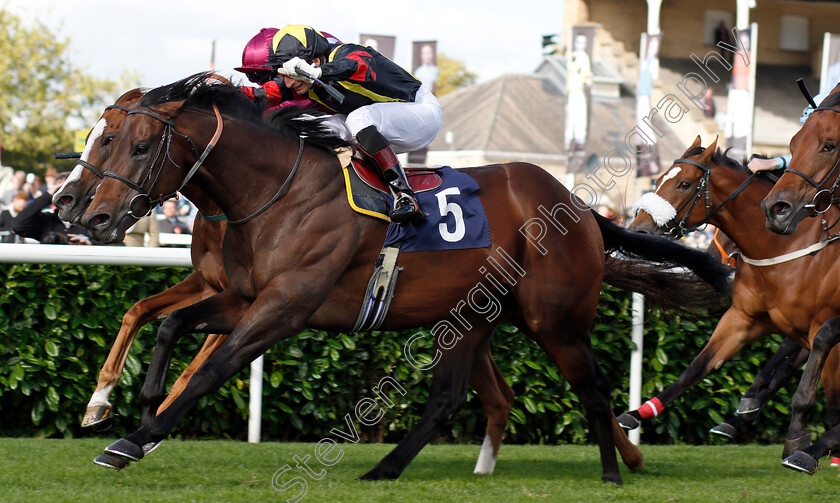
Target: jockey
x: 270, y: 92
x: 384, y: 108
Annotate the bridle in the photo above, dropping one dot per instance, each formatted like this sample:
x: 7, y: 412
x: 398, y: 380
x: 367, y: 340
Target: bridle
x: 151, y: 178
x: 824, y: 198
x: 152, y: 175
x: 680, y: 229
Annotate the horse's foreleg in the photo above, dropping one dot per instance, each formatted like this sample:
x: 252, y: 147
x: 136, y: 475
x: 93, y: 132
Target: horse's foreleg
x: 734, y: 330
x: 187, y: 292
x: 253, y: 327
x: 778, y: 371
x: 798, y: 437
x: 210, y: 346
x: 497, y: 399
x: 447, y: 394
x: 204, y: 316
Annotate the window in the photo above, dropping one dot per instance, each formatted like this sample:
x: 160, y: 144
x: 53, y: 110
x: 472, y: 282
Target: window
x: 794, y: 33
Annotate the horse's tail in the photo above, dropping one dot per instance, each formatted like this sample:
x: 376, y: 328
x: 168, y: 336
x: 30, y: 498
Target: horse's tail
x: 664, y: 271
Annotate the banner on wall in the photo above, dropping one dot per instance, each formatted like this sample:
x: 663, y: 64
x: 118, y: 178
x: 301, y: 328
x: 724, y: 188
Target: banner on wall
x: 741, y: 103
x: 647, y: 152
x: 383, y: 44
x: 578, y: 96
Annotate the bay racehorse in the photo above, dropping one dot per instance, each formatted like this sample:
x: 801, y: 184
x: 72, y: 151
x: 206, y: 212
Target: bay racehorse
x: 208, y: 279
x: 809, y: 188
x: 296, y: 255
x: 782, y: 284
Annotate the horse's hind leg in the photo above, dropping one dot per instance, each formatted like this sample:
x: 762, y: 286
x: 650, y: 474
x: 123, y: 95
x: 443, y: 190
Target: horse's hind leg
x: 447, y: 394
x: 187, y: 292
x: 788, y: 360
x: 497, y: 398
x: 795, y: 455
x: 576, y: 359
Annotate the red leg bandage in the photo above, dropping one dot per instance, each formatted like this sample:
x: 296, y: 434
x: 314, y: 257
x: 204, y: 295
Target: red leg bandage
x: 651, y: 408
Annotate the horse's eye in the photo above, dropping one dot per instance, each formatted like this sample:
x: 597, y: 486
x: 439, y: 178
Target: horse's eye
x: 684, y: 185
x: 828, y: 147
x: 141, y: 149
x: 108, y: 139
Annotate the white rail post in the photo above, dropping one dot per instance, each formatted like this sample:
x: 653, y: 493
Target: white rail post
x: 255, y: 401
x: 638, y: 333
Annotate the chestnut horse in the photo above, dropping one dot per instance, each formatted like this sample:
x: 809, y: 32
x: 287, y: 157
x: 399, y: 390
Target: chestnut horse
x: 72, y: 198
x: 781, y: 285
x: 296, y: 255
x: 809, y: 188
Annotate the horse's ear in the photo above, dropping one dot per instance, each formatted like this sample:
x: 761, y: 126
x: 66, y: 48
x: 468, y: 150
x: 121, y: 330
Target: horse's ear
x: 695, y: 144
x: 709, y: 152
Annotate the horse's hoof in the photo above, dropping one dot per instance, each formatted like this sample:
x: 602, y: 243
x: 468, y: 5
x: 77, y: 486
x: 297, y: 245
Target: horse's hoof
x: 747, y: 405
x: 725, y: 430
x: 111, y: 461
x: 379, y: 474
x: 613, y: 478
x: 95, y: 415
x: 147, y: 448
x: 796, y: 444
x: 628, y: 422
x: 125, y: 449
x: 801, y: 462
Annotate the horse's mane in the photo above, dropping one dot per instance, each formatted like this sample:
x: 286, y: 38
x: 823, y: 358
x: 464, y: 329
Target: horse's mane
x: 723, y: 159
x: 201, y: 92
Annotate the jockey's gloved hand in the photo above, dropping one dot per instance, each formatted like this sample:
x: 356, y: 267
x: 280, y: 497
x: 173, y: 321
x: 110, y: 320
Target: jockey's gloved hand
x: 290, y: 69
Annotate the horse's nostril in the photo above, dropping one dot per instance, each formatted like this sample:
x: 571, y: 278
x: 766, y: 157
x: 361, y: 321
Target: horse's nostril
x: 781, y: 208
x: 65, y: 201
x: 99, y: 220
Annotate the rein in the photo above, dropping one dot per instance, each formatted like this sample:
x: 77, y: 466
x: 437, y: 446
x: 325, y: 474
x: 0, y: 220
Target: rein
x: 279, y: 191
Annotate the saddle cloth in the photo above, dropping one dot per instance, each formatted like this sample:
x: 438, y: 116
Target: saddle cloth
x: 449, y: 197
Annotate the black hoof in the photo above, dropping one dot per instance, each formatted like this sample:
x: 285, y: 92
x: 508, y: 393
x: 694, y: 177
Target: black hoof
x: 797, y: 444
x: 95, y: 415
x: 111, y: 461
x: 801, y: 462
x: 628, y: 422
x: 125, y: 449
x: 725, y: 430
x: 612, y: 479
x: 747, y: 405
x: 380, y: 474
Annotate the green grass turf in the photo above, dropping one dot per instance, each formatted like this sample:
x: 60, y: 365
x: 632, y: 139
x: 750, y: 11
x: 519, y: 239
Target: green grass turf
x: 35, y: 470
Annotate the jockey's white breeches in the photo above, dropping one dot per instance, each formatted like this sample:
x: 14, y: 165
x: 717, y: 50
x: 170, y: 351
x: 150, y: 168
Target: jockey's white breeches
x: 406, y: 126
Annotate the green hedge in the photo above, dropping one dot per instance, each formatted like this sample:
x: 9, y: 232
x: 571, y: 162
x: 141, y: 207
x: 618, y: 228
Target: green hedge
x: 57, y: 324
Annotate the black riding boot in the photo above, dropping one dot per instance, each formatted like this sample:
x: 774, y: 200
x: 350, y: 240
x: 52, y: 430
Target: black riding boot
x: 406, y: 207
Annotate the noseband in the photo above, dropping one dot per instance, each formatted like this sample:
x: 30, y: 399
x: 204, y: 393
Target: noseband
x: 824, y: 198
x: 145, y: 195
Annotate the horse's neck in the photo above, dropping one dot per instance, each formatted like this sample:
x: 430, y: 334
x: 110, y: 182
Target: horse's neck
x: 242, y: 176
x: 743, y: 221
x: 201, y: 200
